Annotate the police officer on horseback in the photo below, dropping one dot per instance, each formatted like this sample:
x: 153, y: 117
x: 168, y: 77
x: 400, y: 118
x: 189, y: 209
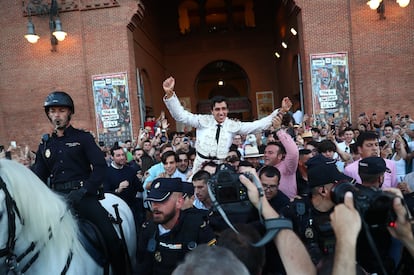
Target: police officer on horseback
x: 72, y: 164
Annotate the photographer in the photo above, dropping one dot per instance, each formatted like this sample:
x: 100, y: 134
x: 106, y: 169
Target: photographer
x: 403, y: 231
x: 372, y: 170
x: 294, y: 256
x: 346, y: 223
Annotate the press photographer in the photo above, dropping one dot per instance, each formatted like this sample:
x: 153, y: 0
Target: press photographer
x: 376, y: 252
x: 229, y: 195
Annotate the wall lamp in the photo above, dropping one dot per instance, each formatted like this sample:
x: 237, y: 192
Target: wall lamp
x: 37, y: 7
x: 379, y: 5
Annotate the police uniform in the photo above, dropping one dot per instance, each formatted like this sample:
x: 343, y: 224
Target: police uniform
x: 311, y: 225
x: 376, y: 221
x: 313, y: 228
x: 67, y: 161
x: 75, y: 166
x: 161, y: 253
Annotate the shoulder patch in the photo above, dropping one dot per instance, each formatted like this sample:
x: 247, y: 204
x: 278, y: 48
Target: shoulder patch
x: 45, y: 138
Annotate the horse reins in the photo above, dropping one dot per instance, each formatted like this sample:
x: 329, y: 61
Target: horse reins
x: 12, y: 260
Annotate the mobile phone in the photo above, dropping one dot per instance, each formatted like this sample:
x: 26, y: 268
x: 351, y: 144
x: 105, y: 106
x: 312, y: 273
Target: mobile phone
x: 333, y: 127
x: 101, y: 143
x: 13, y: 144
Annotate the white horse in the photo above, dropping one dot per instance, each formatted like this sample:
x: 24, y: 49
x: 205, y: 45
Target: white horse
x: 39, y: 235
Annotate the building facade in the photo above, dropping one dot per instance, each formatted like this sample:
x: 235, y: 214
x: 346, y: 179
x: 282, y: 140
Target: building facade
x: 122, y: 50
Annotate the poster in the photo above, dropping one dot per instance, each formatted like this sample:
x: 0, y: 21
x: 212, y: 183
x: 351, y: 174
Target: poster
x: 265, y: 103
x: 112, y: 108
x: 330, y: 87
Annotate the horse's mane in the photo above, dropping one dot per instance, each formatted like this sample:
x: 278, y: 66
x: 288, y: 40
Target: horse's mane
x: 40, y: 208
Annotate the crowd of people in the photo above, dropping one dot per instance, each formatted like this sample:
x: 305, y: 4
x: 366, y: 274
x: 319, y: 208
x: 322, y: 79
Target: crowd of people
x: 338, y: 197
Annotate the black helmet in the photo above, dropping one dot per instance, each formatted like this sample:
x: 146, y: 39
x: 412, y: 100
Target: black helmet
x: 58, y: 98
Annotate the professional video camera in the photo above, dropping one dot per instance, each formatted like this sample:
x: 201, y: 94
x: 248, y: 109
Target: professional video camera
x: 228, y: 191
x: 374, y: 205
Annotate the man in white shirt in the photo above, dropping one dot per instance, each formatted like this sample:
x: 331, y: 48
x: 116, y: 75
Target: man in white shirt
x: 202, y: 198
x: 169, y: 161
x: 214, y: 132
x: 344, y: 146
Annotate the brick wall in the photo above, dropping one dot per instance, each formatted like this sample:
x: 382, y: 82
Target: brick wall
x: 380, y: 56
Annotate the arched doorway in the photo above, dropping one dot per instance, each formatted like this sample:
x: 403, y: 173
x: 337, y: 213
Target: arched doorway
x: 225, y: 78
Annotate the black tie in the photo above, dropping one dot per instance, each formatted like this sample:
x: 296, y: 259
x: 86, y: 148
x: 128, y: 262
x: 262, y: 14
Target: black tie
x: 218, y: 132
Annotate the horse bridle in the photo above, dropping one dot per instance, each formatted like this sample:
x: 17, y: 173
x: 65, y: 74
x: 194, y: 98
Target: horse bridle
x: 12, y: 210
x: 12, y: 260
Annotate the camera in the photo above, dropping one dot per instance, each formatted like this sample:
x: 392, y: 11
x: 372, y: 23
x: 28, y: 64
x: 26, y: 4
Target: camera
x: 374, y: 205
x: 163, y: 138
x: 230, y: 193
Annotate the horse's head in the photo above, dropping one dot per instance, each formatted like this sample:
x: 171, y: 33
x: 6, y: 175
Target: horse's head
x: 10, y: 222
x: 32, y: 213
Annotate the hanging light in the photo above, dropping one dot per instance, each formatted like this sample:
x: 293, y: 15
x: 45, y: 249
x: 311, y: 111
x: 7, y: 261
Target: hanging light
x: 403, y: 3
x: 59, y: 33
x: 42, y: 7
x: 31, y: 35
x: 374, y: 4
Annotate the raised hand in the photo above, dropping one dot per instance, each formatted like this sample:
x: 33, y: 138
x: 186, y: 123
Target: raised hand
x: 345, y: 220
x: 164, y: 124
x: 277, y: 121
x: 168, y: 86
x: 286, y: 105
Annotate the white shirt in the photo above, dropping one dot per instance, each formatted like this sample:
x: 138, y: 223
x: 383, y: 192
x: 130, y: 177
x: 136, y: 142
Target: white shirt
x: 344, y: 147
x: 206, y: 127
x: 199, y: 205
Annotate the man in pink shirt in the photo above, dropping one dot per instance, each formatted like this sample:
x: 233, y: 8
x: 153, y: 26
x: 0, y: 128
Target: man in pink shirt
x: 367, y: 144
x: 284, y: 155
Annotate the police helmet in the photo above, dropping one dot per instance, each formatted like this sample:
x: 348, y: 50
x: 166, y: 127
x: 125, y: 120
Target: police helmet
x: 58, y: 98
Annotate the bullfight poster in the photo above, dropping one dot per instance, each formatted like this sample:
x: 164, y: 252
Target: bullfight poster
x: 330, y: 86
x: 112, y: 107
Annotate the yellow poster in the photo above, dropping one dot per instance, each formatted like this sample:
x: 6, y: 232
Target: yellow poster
x: 265, y: 103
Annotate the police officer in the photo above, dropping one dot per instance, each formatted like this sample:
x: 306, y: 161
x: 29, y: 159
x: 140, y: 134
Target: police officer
x: 171, y: 233
x: 372, y: 173
x: 310, y: 215
x: 71, y: 162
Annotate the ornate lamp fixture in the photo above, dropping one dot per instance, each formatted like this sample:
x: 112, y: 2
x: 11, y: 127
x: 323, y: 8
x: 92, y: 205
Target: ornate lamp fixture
x: 379, y: 5
x: 37, y: 7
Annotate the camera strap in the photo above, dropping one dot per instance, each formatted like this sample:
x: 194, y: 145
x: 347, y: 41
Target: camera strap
x: 273, y: 226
